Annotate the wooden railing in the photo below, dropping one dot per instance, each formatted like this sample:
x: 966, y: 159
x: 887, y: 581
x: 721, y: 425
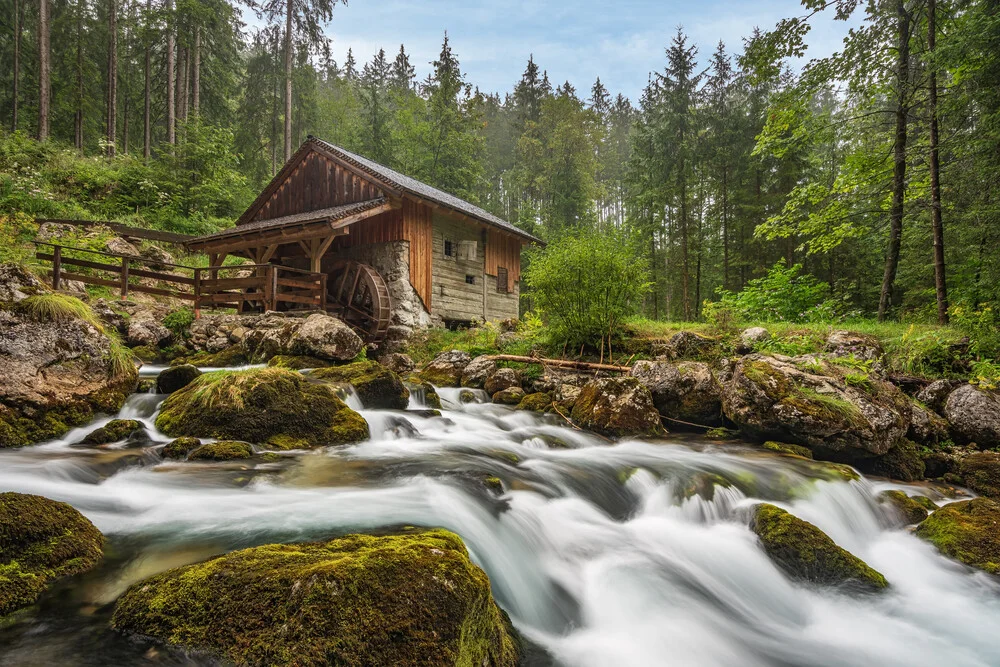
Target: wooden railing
x: 206, y: 287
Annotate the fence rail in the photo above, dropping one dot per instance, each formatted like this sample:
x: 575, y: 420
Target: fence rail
x: 269, y: 286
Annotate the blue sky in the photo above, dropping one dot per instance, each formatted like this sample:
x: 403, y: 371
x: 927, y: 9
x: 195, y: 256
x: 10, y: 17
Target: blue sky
x: 577, y: 41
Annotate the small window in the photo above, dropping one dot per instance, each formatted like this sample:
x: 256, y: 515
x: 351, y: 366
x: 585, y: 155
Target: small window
x: 448, y: 250
x: 467, y: 250
x: 470, y: 279
x: 503, y: 285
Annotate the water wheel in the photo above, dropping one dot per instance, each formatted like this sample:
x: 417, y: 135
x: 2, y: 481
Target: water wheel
x: 358, y: 295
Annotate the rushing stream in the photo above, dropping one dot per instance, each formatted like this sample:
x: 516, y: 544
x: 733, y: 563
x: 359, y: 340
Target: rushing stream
x: 636, y: 553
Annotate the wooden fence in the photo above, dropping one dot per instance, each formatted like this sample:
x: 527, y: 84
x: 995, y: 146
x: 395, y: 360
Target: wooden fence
x: 266, y: 286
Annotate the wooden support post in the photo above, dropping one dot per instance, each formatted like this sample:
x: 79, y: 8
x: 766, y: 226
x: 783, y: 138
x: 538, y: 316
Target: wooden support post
x: 270, y: 288
x: 56, y: 266
x: 124, y: 288
x: 322, y: 292
x: 197, y: 294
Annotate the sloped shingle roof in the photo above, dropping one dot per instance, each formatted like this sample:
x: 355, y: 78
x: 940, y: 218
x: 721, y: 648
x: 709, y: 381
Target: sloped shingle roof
x: 404, y: 183
x: 331, y: 214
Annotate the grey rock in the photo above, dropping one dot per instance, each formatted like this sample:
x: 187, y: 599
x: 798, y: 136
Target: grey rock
x: 176, y: 377
x: 686, y: 391
x: 477, y: 371
x: 503, y: 378
x: 17, y: 283
x: 120, y: 246
x: 974, y: 415
x: 399, y: 363
x: 144, y: 330
x: 326, y: 337
x: 750, y: 338
x: 935, y: 394
x: 850, y: 343
x: 616, y: 407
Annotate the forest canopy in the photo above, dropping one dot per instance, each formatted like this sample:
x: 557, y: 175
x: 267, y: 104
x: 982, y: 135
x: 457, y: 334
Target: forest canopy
x: 871, y: 174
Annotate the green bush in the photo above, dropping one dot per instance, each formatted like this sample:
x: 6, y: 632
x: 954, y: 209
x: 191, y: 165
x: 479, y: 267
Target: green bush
x: 179, y: 321
x: 785, y: 294
x: 586, y: 285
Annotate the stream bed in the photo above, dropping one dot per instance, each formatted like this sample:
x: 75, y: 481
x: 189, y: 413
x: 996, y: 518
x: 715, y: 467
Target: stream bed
x: 630, y: 553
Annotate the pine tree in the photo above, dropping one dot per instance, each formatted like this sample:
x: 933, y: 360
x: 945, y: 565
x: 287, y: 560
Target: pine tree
x: 403, y: 73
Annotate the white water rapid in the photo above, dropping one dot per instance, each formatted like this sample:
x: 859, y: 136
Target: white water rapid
x: 628, y: 554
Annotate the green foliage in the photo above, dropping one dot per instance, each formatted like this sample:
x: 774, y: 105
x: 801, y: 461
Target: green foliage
x: 785, y: 294
x: 587, y: 284
x: 179, y: 321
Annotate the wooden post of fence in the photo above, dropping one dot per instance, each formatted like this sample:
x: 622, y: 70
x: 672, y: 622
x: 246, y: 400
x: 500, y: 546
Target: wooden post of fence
x: 197, y: 294
x: 124, y: 288
x: 269, y: 288
x: 56, y: 265
x: 322, y: 292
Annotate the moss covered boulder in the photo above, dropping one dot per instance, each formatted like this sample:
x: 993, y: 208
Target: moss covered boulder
x: 617, y: 407
x: 686, y: 391
x: 376, y: 385
x: 787, y: 449
x: 176, y: 377
x: 808, y: 402
x: 508, y: 396
x: 968, y: 531
x: 908, y: 509
x: 60, y: 368
x: 261, y: 405
x: 446, y: 369
x: 806, y: 553
x: 537, y: 402
x: 179, y: 448
x: 410, y: 599
x: 223, y: 450
x: 41, y: 540
x: 113, y: 431
x: 902, y: 462
x: 980, y: 471
x: 297, y: 363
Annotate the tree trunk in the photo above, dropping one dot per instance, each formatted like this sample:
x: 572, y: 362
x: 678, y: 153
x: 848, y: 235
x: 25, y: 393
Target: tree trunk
x: 940, y: 284
x: 898, y: 162
x: 179, y: 93
x: 171, y: 109
x: 685, y: 268
x: 44, y: 70
x: 18, y: 26
x: 197, y: 71
x: 112, y: 111
x: 146, y: 83
x: 78, y: 116
x: 288, y: 79
x: 725, y: 228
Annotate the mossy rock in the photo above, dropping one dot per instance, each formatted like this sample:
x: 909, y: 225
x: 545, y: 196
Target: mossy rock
x: 909, y: 509
x: 41, y: 540
x: 968, y: 531
x: 113, y: 431
x: 148, y: 353
x: 537, y: 402
x: 431, y: 397
x: 806, y: 553
x: 297, y: 363
x: 981, y: 473
x: 616, y: 407
x: 509, y: 396
x: 902, y: 462
x: 376, y: 385
x: 179, y: 448
x: 787, y: 449
x: 255, y: 405
x: 223, y: 450
x: 408, y: 599
x: 176, y: 377
x: 227, y: 358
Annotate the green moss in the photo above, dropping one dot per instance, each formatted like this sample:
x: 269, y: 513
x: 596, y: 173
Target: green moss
x: 148, y: 353
x: 284, y: 443
x: 537, y: 402
x: 966, y: 531
x: 231, y: 356
x: 17, y: 430
x: 902, y: 462
x: 180, y: 447
x: 909, y: 509
x: 720, y: 433
x: 784, y: 448
x: 509, y: 396
x: 257, y: 404
x: 981, y: 473
x: 409, y: 599
x: 223, y: 450
x: 376, y: 385
x: 806, y: 553
x: 113, y: 431
x: 602, y: 407
x: 297, y: 363
x: 925, y: 502
x: 176, y: 377
x: 41, y: 540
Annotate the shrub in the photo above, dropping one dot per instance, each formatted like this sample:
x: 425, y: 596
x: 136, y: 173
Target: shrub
x: 587, y: 284
x: 179, y: 321
x: 785, y: 294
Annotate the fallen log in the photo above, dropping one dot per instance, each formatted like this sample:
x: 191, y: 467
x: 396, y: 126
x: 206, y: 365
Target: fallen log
x: 562, y: 363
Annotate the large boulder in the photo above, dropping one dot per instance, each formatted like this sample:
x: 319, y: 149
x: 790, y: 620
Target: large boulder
x: 158, y: 258
x: 853, y: 344
x: 806, y: 553
x: 508, y: 396
x: 616, y: 407
x: 398, y: 363
x: 269, y: 335
x: 146, y: 331
x: 446, y: 369
x: 18, y: 283
x: 974, y: 415
x: 376, y: 385
x: 502, y: 378
x: 409, y: 599
x: 688, y: 344
x: 935, y: 394
x: 120, y: 246
x: 477, y: 371
x: 325, y: 337
x: 113, y: 431
x: 968, y: 531
x: 271, y: 406
x: 59, y: 369
x: 980, y: 471
x: 751, y: 338
x: 686, y: 391
x: 926, y: 426
x: 222, y: 450
x: 775, y: 398
x: 41, y: 540
x: 902, y: 462
x: 175, y: 378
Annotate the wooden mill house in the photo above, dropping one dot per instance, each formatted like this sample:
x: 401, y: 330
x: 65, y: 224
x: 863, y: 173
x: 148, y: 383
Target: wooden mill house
x: 336, y: 231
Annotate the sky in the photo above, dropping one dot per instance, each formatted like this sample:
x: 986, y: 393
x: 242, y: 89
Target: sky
x: 620, y: 41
